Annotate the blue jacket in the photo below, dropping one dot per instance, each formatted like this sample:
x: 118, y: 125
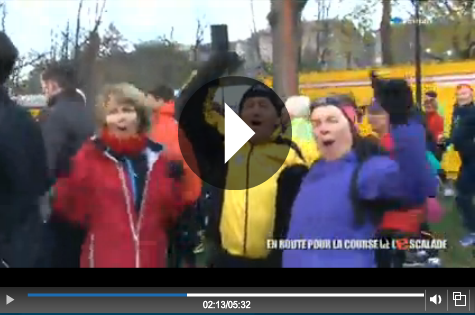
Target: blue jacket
x: 323, y: 209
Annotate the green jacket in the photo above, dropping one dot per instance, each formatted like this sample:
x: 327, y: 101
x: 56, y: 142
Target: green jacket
x: 302, y: 129
x: 433, y: 162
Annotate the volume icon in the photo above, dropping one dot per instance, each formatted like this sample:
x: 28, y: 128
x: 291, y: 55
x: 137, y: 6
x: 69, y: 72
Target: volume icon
x: 436, y: 299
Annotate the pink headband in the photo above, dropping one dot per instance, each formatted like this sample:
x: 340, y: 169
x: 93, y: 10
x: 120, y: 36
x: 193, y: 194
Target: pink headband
x: 350, y: 112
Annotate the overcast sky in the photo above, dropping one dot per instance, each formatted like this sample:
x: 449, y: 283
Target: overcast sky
x: 29, y: 22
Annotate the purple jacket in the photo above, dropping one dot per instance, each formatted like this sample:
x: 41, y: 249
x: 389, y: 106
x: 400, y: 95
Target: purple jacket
x: 323, y: 209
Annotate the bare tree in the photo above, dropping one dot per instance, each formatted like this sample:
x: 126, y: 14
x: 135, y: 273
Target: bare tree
x: 357, y: 26
x: 98, y: 16
x: 78, y: 33
x: 255, y: 38
x: 64, y: 55
x: 53, y: 50
x: 87, y: 62
x: 315, y: 39
x: 30, y: 60
x: 284, y: 19
x: 459, y: 26
x: 385, y: 29
x: 112, y: 42
x: 172, y: 34
x: 324, y: 30
x: 199, y: 37
x: 3, y: 8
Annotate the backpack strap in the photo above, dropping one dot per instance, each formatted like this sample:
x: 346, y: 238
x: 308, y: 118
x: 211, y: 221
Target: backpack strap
x: 358, y: 206
x: 292, y: 145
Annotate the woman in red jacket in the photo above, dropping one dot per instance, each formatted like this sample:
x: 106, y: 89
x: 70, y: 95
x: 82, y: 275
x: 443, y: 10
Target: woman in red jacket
x: 121, y: 187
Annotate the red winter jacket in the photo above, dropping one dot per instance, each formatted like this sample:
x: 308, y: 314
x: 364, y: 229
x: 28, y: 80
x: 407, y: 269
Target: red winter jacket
x: 98, y: 195
x: 435, y: 124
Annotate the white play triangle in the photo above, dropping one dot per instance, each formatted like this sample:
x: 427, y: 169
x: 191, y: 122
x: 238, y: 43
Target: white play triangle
x: 9, y: 299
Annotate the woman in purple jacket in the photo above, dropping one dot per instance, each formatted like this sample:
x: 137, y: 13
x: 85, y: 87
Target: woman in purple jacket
x: 324, y: 207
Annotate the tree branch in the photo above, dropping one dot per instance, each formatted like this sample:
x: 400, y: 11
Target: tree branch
x: 198, y: 39
x: 99, y: 13
x: 78, y: 31
x: 255, y: 36
x: 3, y: 6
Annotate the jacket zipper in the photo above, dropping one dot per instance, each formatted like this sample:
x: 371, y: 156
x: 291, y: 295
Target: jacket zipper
x: 4, y: 263
x: 135, y: 231
x: 246, y: 204
x: 141, y: 215
x: 91, y: 252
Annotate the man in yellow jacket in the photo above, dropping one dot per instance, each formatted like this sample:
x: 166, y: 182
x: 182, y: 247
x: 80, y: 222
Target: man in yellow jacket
x: 249, y: 210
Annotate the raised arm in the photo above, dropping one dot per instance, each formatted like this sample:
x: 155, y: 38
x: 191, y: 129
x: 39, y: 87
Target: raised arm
x: 190, y: 108
x: 410, y: 154
x: 408, y: 134
x: 380, y: 179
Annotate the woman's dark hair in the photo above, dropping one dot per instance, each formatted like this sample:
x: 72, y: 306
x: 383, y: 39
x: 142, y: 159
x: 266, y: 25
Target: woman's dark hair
x: 432, y: 94
x: 335, y: 100
x: 8, y: 57
x: 338, y: 100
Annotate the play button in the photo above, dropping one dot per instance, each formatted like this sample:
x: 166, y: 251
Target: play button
x: 9, y: 299
x: 236, y: 133
x: 223, y: 124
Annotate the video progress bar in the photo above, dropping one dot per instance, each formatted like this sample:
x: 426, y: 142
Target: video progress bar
x: 243, y: 295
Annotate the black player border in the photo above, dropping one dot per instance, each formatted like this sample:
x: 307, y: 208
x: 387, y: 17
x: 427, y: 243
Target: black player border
x: 206, y: 300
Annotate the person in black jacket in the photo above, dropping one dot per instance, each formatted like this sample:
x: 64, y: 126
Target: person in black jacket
x: 23, y: 174
x: 66, y: 124
x: 462, y: 137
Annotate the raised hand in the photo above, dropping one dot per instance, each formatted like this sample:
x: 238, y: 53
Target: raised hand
x: 219, y: 64
x: 395, y: 96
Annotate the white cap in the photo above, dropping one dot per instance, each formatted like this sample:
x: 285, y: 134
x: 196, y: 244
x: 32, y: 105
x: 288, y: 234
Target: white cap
x: 298, y: 106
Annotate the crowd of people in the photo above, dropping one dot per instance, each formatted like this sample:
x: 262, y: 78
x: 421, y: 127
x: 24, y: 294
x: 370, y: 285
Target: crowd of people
x: 122, y: 187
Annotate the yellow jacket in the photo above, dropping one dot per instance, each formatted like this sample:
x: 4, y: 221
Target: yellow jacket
x: 248, y: 216
x: 244, y: 218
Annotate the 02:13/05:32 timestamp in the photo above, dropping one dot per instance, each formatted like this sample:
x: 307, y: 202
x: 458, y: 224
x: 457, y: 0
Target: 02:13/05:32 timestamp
x: 226, y: 304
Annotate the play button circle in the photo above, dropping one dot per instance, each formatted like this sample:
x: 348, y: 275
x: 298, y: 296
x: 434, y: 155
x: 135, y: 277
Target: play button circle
x: 231, y: 132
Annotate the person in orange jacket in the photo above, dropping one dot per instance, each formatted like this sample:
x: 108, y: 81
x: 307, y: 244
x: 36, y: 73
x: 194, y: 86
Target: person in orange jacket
x: 165, y: 130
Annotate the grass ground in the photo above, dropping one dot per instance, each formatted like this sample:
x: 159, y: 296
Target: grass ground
x: 451, y: 229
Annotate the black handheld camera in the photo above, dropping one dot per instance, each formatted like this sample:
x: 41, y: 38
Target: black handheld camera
x: 219, y: 38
